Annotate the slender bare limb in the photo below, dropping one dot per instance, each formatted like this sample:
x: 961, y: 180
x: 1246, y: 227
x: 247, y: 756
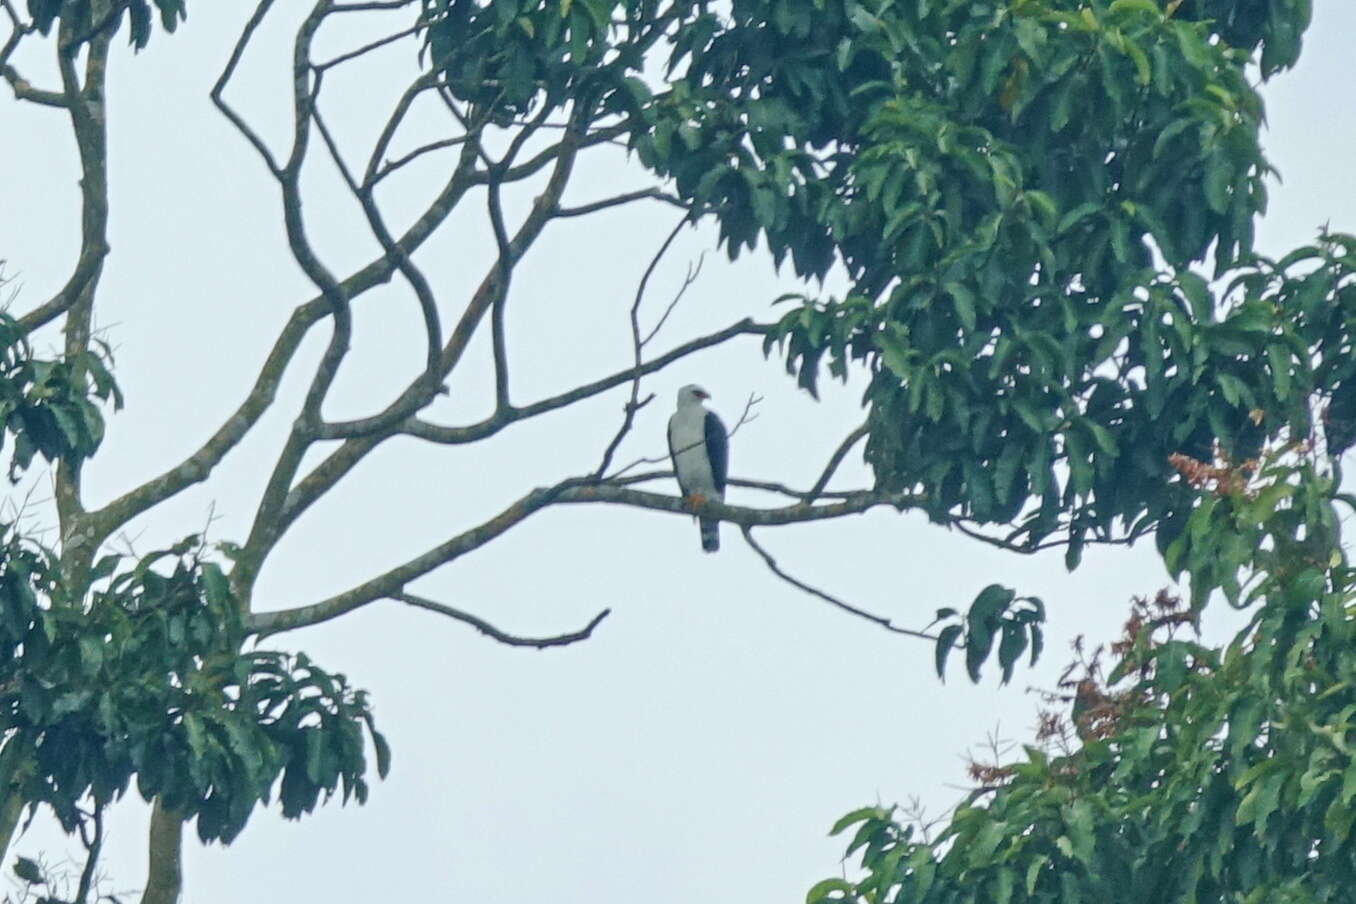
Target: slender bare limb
x: 423, y: 292
x: 21, y: 87
x: 693, y: 271
x: 634, y: 404
x: 649, y: 194
x: 373, y: 6
x: 391, y: 166
x: 503, y: 637
x: 458, y: 435
x: 329, y: 471
x: 218, y: 90
x: 424, y: 82
x: 263, y: 531
x: 368, y: 48
x: 768, y: 486
x: 23, y: 90
x: 504, y: 266
x: 834, y: 461
x: 264, y: 391
x: 828, y: 598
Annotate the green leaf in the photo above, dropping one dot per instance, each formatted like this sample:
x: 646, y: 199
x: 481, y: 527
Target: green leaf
x: 29, y: 871
x: 946, y: 641
x: 821, y: 891
x: 1011, y: 648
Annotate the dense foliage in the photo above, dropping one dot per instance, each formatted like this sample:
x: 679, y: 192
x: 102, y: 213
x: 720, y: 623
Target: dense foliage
x: 1044, y: 213
x: 1195, y: 773
x: 140, y: 669
x: 145, y: 676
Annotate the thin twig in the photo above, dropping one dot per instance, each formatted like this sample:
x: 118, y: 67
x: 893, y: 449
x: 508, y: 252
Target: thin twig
x: 832, y: 600
x: 834, y: 461
x: 628, y: 198
x: 368, y: 48
x: 391, y: 166
x: 634, y: 404
x: 693, y: 271
x: 747, y: 483
x: 218, y: 89
x: 503, y: 637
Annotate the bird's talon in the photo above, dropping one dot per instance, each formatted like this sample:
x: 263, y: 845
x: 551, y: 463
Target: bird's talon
x: 694, y: 500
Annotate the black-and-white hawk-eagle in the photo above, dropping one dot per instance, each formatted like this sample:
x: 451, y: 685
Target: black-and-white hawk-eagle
x: 700, y: 449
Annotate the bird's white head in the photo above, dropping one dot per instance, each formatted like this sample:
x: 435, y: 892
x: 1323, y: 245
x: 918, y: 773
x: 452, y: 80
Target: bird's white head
x: 692, y: 394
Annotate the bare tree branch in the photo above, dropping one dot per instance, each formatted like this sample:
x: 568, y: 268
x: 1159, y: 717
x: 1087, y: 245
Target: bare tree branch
x: 428, y: 305
x: 21, y: 87
x: 490, y: 630
x: 648, y: 194
x: 368, y: 48
x: 390, y: 166
x: 634, y: 404
x: 219, y: 88
x: 834, y: 461
x: 340, y: 462
x: 264, y: 391
x: 458, y: 435
x: 820, y: 594
x: 693, y: 271
x: 767, y: 486
x: 504, y: 266
x: 374, y: 6
x: 574, y: 491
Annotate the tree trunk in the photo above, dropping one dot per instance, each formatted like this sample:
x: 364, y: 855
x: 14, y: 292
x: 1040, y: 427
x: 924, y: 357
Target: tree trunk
x: 165, y: 879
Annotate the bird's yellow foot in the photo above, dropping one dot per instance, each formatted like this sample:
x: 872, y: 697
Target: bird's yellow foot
x: 695, y: 500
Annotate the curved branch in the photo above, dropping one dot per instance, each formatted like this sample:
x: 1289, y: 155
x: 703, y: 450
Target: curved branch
x: 21, y: 87
x: 369, y: 47
x: 828, y: 598
x: 490, y: 630
x: 198, y: 466
x: 834, y: 461
x: 654, y: 194
x: 219, y: 88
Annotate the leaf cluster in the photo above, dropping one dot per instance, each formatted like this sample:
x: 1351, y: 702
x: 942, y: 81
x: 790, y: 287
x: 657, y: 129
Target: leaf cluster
x: 87, y: 18
x: 999, y: 615
x: 145, y: 677
x: 1201, y: 774
x: 48, y: 406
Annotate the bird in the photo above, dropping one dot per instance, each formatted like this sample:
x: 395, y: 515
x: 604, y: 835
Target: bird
x: 700, y: 449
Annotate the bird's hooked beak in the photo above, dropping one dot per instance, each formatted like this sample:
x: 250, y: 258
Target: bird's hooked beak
x: 701, y: 394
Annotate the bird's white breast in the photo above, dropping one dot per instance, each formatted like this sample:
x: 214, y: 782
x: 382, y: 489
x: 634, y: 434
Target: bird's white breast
x: 687, y: 438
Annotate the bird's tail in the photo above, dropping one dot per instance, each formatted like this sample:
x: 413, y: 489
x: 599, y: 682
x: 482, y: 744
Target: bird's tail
x: 710, y: 534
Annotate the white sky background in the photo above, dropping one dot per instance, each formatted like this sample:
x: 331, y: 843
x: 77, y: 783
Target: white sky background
x: 700, y: 745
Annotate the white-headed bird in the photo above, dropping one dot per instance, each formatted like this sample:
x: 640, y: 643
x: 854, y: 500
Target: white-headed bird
x: 700, y: 449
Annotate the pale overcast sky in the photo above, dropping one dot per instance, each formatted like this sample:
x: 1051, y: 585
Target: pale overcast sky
x: 700, y: 745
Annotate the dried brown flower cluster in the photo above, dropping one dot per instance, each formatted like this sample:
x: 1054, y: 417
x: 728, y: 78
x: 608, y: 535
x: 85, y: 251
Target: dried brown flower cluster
x: 1223, y: 479
x: 1084, y: 707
